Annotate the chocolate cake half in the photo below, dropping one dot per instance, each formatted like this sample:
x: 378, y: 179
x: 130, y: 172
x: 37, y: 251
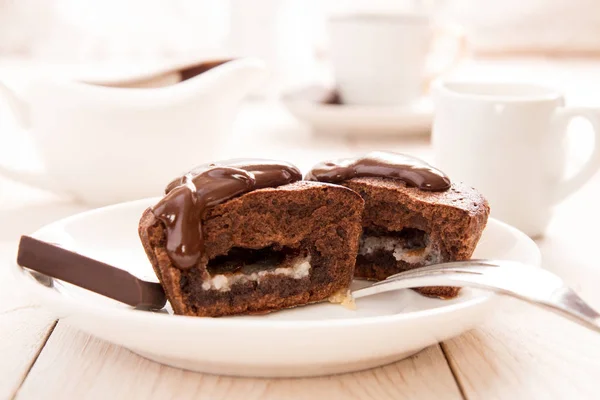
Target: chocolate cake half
x: 413, y: 215
x: 275, y: 244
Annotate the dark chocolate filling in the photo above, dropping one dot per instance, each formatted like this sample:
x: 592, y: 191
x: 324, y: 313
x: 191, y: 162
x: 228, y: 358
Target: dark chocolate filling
x: 277, y: 286
x: 411, y: 238
x: 371, y: 264
x: 248, y: 261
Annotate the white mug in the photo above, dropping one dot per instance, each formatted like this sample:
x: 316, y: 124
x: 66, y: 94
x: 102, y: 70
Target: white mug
x: 506, y: 140
x: 101, y: 144
x: 381, y: 59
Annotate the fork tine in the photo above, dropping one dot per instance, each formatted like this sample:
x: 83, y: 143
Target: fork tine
x: 474, y: 266
x: 449, y: 279
x: 449, y: 266
x: 413, y: 274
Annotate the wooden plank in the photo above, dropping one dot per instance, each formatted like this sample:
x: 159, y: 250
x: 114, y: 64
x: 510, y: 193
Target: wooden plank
x: 24, y: 328
x: 76, y: 365
x: 523, y: 352
x: 526, y: 355
x: 23, y: 333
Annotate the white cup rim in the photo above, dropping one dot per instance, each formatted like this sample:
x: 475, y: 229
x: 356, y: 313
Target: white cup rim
x: 487, y: 91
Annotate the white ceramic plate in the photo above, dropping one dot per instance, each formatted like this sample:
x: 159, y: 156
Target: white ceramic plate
x: 358, y: 121
x: 313, y: 340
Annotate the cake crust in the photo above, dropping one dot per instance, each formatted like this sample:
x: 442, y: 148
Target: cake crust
x: 322, y: 220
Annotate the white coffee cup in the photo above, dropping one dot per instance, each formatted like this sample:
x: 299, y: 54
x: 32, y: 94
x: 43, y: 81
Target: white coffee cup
x: 507, y: 140
x: 380, y: 59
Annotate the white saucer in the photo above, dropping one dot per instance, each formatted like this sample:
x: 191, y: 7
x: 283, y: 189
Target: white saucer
x: 313, y: 340
x: 360, y: 121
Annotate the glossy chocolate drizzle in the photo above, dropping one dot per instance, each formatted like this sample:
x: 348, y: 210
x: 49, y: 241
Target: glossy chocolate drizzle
x: 382, y: 164
x: 189, y: 197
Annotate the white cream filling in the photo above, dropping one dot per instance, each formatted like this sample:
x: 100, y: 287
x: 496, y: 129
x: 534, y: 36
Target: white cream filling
x: 371, y: 244
x: 223, y: 283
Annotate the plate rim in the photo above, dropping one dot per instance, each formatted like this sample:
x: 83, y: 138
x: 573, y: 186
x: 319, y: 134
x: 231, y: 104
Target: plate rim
x: 288, y: 99
x: 54, y: 299
x: 410, y: 120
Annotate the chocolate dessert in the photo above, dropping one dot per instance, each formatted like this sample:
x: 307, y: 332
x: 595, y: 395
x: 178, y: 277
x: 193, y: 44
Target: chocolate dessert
x: 413, y: 215
x: 248, y: 237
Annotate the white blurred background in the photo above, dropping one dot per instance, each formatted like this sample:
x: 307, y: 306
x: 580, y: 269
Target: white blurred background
x: 289, y: 34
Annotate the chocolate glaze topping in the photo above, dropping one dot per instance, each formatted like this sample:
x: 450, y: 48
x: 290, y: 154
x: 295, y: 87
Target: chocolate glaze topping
x: 189, y: 197
x: 382, y: 164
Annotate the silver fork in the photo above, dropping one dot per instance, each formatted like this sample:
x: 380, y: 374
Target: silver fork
x: 525, y: 282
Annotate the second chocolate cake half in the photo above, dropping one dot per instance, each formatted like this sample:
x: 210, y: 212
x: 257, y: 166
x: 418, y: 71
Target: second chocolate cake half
x: 265, y: 249
x: 413, y: 216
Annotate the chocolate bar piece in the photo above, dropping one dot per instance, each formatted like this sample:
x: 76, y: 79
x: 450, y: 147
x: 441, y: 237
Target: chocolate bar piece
x: 89, y: 274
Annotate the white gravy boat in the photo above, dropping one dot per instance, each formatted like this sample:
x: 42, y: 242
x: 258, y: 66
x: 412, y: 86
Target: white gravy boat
x: 106, y: 142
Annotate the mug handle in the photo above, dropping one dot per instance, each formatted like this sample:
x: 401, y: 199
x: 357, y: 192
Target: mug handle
x: 20, y: 111
x: 458, y: 36
x: 563, y: 118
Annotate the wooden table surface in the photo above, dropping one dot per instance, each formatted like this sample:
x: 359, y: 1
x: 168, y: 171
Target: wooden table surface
x: 519, y: 352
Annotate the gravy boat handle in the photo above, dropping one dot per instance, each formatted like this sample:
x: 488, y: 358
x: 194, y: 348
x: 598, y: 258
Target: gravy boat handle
x: 21, y: 113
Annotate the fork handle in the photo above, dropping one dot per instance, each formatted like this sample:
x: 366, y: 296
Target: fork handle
x: 568, y: 304
x: 564, y: 301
